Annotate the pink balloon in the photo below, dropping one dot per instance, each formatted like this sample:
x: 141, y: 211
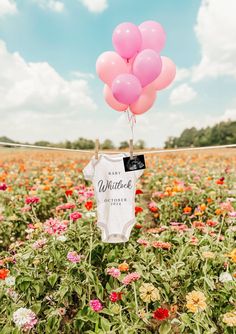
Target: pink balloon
x: 126, y: 88
x: 145, y: 101
x: 111, y: 101
x: 167, y: 75
x: 153, y: 36
x: 147, y: 66
x: 127, y: 39
x: 109, y: 64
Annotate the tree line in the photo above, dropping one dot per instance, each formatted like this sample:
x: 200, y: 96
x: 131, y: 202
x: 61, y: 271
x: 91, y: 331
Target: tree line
x: 222, y: 133
x: 81, y: 144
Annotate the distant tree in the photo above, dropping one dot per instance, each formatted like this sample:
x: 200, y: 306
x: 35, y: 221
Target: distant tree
x: 220, y: 134
x: 107, y: 144
x: 42, y: 143
x: 123, y: 144
x: 83, y: 144
x: 140, y: 144
x: 6, y: 139
x: 68, y: 144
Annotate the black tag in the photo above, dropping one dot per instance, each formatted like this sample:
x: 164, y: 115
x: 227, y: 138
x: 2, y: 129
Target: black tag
x: 138, y: 162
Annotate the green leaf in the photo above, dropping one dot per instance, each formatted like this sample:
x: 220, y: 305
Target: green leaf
x: 165, y: 328
x: 105, y: 324
x: 185, y: 318
x: 63, y: 291
x: 36, y: 307
x: 52, y: 279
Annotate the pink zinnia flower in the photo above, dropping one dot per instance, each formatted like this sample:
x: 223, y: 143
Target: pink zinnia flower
x: 66, y: 206
x: 3, y: 186
x: 226, y: 206
x: 114, y: 272
x: 95, y: 305
x: 32, y: 200
x: 55, y: 226
x: 75, y: 215
x: 194, y: 241
x: 161, y: 245
x: 39, y: 243
x: 143, y: 242
x: 26, y: 208
x: 73, y: 257
x: 89, y: 193
x: 211, y: 223
x: 231, y: 214
x: 131, y: 278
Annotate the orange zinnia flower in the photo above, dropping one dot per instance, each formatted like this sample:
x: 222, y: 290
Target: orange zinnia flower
x: 123, y: 266
x: 187, y: 209
x: 4, y: 273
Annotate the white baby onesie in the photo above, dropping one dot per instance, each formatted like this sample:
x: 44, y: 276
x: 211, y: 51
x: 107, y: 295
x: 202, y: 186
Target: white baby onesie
x: 115, y: 195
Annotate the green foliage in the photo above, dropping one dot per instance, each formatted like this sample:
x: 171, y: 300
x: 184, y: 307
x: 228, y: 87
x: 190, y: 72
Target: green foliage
x: 220, y: 134
x: 107, y: 144
x: 59, y: 291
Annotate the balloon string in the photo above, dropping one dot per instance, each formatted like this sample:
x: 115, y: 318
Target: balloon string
x: 132, y: 122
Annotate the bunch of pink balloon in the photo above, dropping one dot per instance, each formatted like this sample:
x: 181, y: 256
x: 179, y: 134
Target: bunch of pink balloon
x: 136, y: 71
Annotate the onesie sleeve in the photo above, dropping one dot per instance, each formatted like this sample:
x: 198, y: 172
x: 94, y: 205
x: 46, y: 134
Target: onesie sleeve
x: 88, y: 170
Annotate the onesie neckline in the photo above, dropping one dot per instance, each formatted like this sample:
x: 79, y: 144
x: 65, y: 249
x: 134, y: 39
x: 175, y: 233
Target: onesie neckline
x: 113, y: 157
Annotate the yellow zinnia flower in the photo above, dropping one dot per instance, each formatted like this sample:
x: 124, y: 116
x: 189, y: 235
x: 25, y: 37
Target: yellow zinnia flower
x: 208, y: 255
x: 233, y: 255
x: 196, y: 301
x: 149, y: 293
x: 230, y: 318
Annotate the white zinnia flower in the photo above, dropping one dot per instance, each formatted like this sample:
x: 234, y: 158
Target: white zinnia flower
x: 61, y: 238
x: 225, y: 277
x: 10, y: 280
x: 24, y: 318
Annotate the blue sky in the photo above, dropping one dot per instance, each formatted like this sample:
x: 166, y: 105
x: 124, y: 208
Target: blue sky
x: 48, y: 51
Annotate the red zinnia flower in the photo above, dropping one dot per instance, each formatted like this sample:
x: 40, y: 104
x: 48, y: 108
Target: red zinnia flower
x: 88, y: 205
x: 115, y: 296
x: 138, y: 192
x: 4, y: 273
x: 69, y: 192
x: 220, y: 181
x: 32, y: 200
x: 161, y: 313
x: 138, y: 209
x: 3, y: 186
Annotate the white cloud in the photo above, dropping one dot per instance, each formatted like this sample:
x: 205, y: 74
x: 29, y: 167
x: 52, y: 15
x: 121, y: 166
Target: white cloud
x: 95, y: 6
x: 182, y: 74
x: 83, y: 75
x: 7, y: 7
x: 53, y: 5
x: 216, y: 32
x: 31, y: 93
x: 182, y: 94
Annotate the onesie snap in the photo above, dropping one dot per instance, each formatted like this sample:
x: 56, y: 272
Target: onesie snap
x: 115, y: 195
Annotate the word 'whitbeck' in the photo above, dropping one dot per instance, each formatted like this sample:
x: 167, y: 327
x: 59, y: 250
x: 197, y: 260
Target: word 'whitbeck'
x: 110, y: 185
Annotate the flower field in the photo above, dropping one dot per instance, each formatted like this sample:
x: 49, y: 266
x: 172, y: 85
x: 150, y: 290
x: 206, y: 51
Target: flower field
x: 177, y: 273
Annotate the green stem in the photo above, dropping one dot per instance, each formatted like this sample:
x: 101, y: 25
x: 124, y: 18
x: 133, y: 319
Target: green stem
x: 221, y: 226
x: 90, y: 246
x: 135, y: 298
x: 198, y: 328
